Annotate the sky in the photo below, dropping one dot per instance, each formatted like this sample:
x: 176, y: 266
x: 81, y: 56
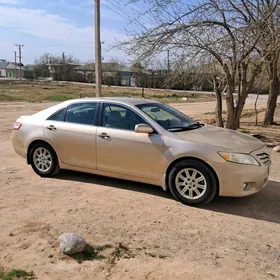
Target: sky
x: 56, y: 26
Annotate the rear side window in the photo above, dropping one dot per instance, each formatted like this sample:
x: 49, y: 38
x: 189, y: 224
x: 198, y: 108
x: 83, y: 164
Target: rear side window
x: 58, y: 116
x: 82, y: 113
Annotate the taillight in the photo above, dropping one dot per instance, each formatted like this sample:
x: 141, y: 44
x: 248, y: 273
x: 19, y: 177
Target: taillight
x: 17, y: 125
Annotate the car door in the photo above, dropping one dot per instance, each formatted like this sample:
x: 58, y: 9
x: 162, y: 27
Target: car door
x: 72, y: 132
x: 121, y: 150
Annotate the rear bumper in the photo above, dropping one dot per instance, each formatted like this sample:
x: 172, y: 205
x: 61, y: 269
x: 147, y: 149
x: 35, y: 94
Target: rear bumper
x: 19, y: 144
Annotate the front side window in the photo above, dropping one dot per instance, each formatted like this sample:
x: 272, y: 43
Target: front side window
x: 81, y: 113
x: 120, y: 117
x: 168, y: 118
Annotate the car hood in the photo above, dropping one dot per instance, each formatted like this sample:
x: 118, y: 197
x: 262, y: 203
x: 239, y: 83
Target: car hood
x: 227, y: 139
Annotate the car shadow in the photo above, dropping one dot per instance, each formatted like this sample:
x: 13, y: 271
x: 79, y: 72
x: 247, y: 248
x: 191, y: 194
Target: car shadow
x: 113, y: 183
x: 264, y: 205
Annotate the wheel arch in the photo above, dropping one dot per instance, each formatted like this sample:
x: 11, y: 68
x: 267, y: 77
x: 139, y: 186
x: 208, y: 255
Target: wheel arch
x: 35, y: 142
x: 172, y: 164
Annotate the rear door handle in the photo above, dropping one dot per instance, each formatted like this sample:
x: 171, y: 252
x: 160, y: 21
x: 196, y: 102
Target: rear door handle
x: 51, y: 127
x: 104, y: 135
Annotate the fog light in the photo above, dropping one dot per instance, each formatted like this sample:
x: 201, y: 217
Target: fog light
x: 245, y: 186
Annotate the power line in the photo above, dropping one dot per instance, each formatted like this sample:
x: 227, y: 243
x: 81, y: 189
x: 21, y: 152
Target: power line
x: 120, y: 13
x: 118, y: 6
x: 132, y: 18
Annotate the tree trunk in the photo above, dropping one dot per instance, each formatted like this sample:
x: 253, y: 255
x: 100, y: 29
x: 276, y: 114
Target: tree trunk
x: 143, y: 86
x: 219, y: 104
x: 230, y: 105
x: 245, y: 86
x: 256, y: 108
x: 271, y: 102
x: 235, y: 122
x: 274, y: 86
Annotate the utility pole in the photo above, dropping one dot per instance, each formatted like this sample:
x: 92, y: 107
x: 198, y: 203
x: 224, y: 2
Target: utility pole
x: 16, y: 64
x: 98, y: 71
x: 168, y: 62
x: 63, y: 67
x: 19, y: 49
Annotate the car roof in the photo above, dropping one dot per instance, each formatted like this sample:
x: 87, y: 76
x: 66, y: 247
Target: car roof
x: 119, y: 100
x: 123, y: 100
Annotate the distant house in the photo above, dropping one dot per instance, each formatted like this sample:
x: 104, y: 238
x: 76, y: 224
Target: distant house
x: 61, y: 71
x: 8, y: 70
x: 112, y: 74
x: 12, y: 71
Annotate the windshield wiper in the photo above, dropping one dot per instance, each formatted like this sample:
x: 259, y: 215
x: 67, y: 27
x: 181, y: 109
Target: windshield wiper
x: 194, y: 125
x: 183, y: 128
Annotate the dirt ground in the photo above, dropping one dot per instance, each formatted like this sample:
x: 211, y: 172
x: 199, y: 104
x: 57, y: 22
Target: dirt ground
x: 230, y: 238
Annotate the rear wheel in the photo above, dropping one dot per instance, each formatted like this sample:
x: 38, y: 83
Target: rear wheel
x: 44, y: 160
x: 192, y: 182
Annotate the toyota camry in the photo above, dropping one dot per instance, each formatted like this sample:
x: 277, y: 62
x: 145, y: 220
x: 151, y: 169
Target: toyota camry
x: 144, y: 141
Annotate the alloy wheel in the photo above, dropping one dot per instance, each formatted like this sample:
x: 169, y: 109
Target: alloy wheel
x: 190, y: 183
x: 42, y: 159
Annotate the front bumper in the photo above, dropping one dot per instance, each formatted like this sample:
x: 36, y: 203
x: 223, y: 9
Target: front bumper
x: 232, y: 177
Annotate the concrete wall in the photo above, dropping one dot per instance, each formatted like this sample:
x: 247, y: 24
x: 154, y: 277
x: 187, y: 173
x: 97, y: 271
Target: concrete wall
x: 3, y: 73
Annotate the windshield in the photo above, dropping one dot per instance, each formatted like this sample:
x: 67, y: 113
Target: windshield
x: 167, y: 117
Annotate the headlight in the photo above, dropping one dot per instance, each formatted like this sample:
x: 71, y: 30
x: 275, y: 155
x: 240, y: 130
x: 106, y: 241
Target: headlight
x: 239, y: 158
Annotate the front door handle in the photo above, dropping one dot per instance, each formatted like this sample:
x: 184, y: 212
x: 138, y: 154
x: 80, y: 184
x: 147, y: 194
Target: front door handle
x: 51, y: 127
x: 104, y: 135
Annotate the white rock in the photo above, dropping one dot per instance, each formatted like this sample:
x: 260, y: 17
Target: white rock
x: 276, y: 149
x: 184, y: 99
x: 71, y: 243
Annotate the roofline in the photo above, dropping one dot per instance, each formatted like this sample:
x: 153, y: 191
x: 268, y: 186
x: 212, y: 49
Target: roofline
x: 120, y: 100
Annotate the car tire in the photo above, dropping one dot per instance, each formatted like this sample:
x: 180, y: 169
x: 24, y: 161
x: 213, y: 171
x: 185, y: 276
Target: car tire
x: 43, y: 160
x: 192, y: 182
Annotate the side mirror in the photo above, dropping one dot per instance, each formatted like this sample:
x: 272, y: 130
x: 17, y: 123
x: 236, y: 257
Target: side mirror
x: 143, y: 128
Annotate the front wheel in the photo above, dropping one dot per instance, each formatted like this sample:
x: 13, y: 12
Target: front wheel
x: 44, y: 160
x: 192, y: 182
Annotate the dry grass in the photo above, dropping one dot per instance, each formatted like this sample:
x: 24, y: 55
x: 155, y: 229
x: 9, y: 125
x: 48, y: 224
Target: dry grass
x: 38, y: 92
x: 41, y: 92
x: 270, y: 133
x: 248, y: 123
x: 17, y: 274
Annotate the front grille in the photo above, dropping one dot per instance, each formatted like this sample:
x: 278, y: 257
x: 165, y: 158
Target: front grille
x: 264, y: 158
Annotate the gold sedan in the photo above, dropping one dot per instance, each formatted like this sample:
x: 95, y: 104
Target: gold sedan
x: 144, y: 141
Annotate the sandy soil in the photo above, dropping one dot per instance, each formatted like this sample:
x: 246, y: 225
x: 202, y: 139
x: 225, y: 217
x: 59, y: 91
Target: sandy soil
x: 229, y: 238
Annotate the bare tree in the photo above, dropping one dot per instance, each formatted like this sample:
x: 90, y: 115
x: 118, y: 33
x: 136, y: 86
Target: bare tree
x: 41, y: 68
x: 141, y: 71
x: 269, y: 47
x: 62, y: 67
x: 222, y: 30
x: 158, y: 77
x: 112, y: 72
x: 207, y: 76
